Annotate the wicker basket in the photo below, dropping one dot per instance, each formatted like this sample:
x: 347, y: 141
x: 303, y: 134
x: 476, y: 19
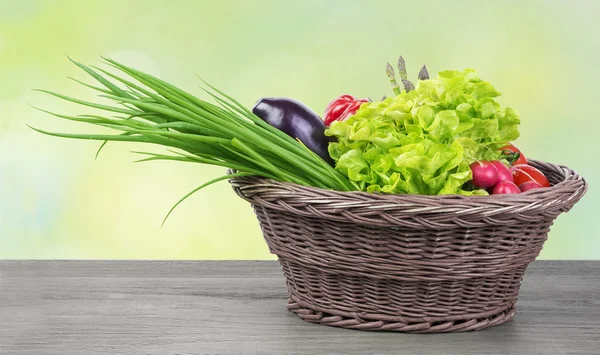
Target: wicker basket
x: 408, y: 263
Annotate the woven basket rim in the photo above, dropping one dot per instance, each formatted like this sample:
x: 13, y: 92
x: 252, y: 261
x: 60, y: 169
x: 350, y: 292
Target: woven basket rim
x: 569, y: 178
x: 416, y: 211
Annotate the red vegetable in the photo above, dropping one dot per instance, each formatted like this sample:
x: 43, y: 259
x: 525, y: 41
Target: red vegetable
x: 485, y: 174
x: 510, y: 151
x: 504, y: 173
x: 523, y: 173
x: 529, y: 185
x: 341, y: 108
x: 505, y: 187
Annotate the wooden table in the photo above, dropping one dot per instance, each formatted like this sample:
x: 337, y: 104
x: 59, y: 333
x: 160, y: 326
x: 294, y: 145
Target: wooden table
x: 229, y: 307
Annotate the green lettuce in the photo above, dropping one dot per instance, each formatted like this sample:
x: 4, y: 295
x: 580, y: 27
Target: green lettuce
x: 423, y: 141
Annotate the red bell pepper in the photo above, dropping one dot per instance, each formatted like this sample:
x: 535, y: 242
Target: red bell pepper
x: 513, y: 154
x: 342, y: 107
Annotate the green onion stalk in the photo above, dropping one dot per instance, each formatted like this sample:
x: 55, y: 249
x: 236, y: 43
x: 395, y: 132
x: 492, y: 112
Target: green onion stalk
x: 227, y: 134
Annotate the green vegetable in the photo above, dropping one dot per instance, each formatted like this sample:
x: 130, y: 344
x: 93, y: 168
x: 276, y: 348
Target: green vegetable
x: 389, y: 71
x: 423, y: 74
x: 422, y: 141
x: 408, y: 86
x: 229, y: 135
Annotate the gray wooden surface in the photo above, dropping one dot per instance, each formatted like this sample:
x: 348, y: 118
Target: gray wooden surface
x: 155, y: 307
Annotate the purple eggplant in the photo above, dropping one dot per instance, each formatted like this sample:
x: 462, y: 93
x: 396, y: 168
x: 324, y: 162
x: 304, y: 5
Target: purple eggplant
x: 297, y: 121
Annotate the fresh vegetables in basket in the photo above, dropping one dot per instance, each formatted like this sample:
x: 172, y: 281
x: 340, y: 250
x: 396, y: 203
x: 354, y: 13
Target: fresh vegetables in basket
x: 445, y: 135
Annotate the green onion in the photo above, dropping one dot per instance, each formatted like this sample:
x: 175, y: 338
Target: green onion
x: 227, y: 134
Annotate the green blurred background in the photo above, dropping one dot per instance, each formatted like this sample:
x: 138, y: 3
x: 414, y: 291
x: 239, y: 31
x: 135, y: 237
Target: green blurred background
x: 56, y: 201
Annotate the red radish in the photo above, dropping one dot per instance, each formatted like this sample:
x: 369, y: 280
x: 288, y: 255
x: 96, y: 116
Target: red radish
x: 505, y: 187
x: 529, y: 185
x: 523, y: 173
x: 504, y: 173
x: 485, y: 174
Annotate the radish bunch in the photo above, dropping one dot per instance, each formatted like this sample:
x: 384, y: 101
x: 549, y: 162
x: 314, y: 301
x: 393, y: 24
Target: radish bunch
x: 498, y: 179
x: 493, y: 175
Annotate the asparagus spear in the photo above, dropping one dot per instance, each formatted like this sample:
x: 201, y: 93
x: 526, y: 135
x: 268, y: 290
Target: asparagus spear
x: 408, y: 86
x: 402, y: 68
x: 389, y: 71
x: 423, y: 74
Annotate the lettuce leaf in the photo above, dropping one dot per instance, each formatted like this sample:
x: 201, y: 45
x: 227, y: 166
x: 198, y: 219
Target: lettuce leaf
x: 423, y: 141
